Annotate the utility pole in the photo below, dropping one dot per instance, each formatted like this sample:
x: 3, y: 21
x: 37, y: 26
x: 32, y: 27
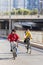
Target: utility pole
x: 41, y: 2
x: 10, y: 22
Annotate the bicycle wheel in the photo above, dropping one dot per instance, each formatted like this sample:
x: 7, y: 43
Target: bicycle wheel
x: 14, y: 53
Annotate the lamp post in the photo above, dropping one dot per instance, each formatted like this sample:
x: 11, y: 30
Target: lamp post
x: 10, y: 22
x: 40, y: 9
x: 6, y: 22
x: 41, y: 2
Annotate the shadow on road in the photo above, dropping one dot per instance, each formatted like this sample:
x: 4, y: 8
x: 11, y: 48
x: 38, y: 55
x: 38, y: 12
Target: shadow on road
x: 27, y: 54
x: 5, y: 58
x: 5, y: 53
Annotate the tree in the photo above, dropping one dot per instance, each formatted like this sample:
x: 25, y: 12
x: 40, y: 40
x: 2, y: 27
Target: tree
x: 6, y: 13
x: 34, y: 12
x: 20, y: 11
x: 23, y: 11
x: 26, y: 12
x: 13, y: 12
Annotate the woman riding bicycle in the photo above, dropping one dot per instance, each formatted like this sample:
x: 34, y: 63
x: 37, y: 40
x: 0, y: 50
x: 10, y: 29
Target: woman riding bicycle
x: 28, y: 36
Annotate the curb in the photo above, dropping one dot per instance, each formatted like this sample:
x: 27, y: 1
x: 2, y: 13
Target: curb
x: 40, y: 46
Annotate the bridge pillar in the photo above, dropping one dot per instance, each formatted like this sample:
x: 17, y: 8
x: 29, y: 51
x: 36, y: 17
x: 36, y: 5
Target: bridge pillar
x: 10, y: 25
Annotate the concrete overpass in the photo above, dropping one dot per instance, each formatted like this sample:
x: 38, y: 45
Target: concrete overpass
x: 4, y: 17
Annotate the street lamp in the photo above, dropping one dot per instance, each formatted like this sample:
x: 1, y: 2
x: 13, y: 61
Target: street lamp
x: 40, y: 9
x: 41, y: 2
x: 10, y: 22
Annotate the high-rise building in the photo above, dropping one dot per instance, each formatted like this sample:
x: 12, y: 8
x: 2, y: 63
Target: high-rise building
x: 29, y: 4
x: 32, y: 4
x: 5, y: 5
x: 20, y: 3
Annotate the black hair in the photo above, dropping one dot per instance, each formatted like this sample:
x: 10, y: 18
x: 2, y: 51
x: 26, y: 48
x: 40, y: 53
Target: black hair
x: 26, y: 29
x: 12, y: 30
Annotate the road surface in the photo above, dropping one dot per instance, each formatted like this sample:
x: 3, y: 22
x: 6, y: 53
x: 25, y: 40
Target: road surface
x: 6, y: 58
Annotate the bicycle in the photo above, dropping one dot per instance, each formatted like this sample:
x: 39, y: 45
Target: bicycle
x: 14, y: 50
x: 28, y: 47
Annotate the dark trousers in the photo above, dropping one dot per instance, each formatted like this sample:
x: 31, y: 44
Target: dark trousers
x: 28, y: 43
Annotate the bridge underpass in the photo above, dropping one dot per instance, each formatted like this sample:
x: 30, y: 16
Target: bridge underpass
x: 6, y: 24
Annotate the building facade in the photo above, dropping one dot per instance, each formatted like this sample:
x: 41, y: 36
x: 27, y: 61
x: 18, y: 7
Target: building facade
x: 32, y: 4
x: 5, y: 5
x: 29, y: 4
x: 19, y: 3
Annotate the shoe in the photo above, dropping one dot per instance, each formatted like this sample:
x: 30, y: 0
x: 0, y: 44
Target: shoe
x: 16, y: 55
x: 11, y: 50
x: 29, y: 51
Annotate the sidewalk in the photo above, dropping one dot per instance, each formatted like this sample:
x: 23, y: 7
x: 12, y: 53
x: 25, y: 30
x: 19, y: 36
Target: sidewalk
x: 23, y: 58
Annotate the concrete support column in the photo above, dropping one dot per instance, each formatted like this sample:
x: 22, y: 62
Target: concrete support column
x: 10, y: 25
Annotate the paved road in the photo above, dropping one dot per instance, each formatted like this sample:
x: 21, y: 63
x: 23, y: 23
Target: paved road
x: 6, y: 58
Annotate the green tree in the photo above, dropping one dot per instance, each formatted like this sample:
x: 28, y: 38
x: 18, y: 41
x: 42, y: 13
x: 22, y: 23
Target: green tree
x: 6, y: 13
x: 20, y: 11
x: 13, y: 12
x: 26, y: 12
x: 34, y: 12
